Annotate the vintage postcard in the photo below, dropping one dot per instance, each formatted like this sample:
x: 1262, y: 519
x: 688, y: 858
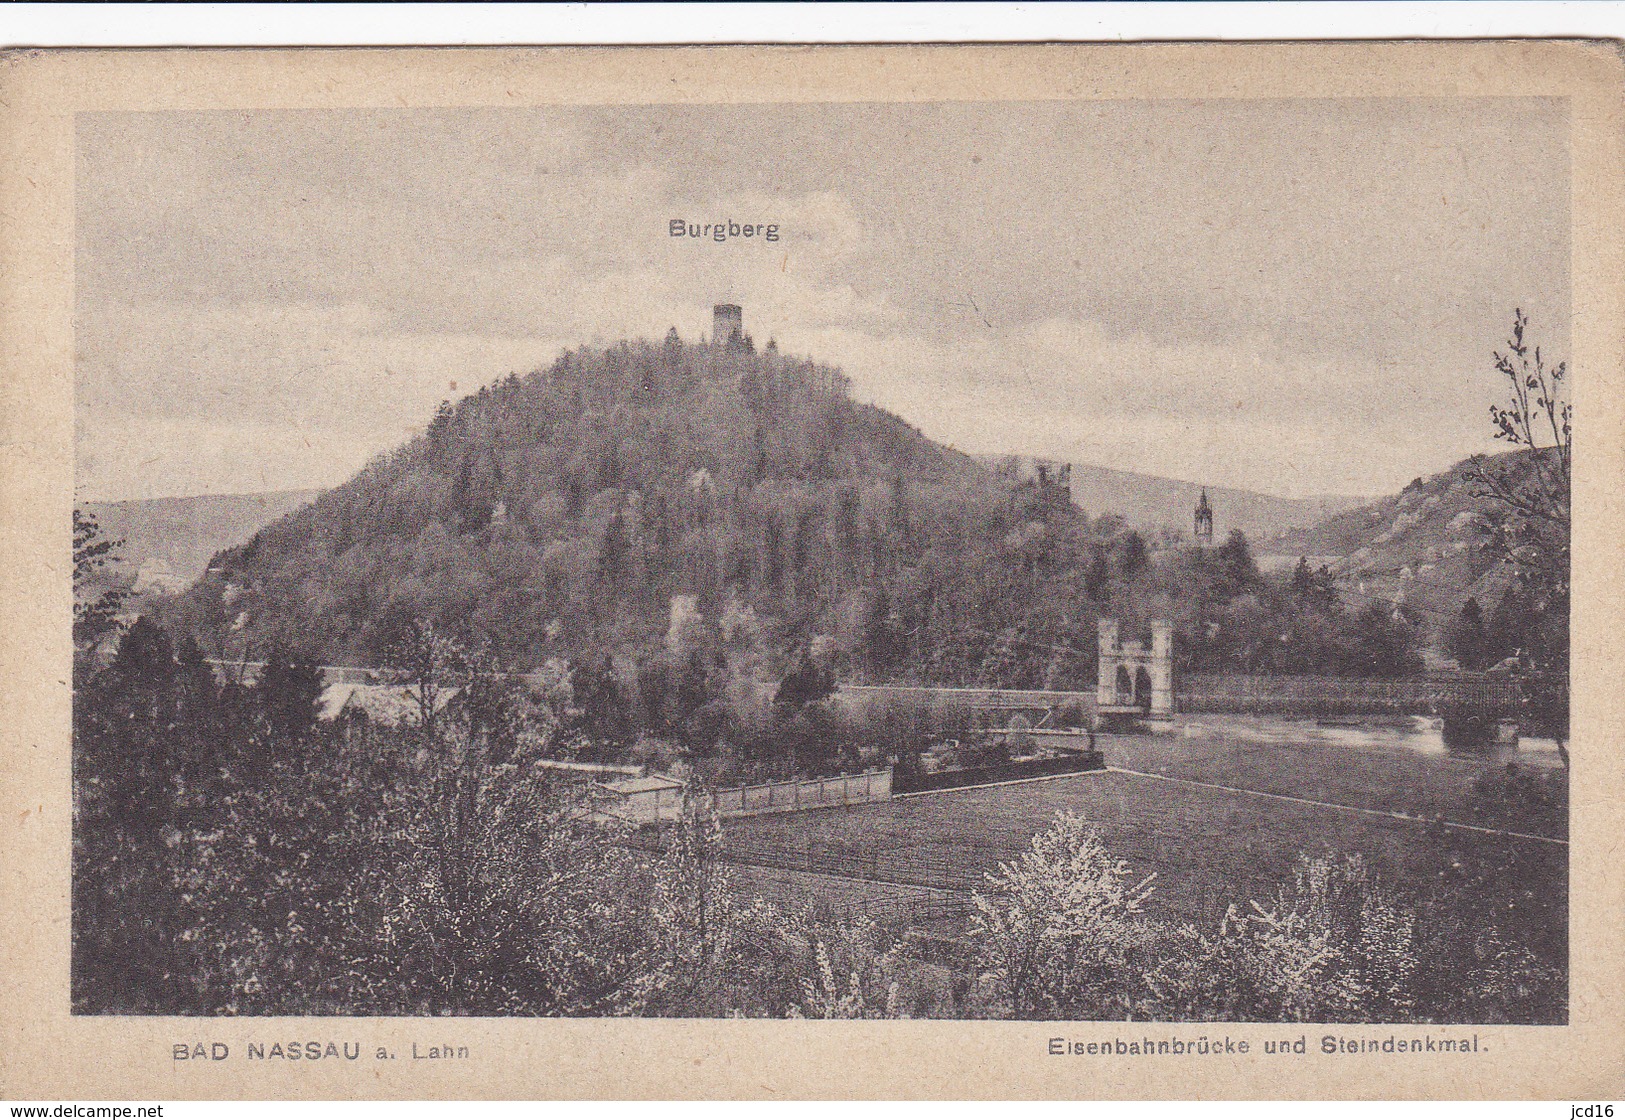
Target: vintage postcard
x: 542, y: 573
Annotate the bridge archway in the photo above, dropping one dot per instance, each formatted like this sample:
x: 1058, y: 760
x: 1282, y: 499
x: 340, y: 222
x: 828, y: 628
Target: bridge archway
x: 1136, y: 678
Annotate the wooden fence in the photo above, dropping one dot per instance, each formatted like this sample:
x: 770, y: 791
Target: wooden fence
x: 645, y: 806
x: 808, y: 793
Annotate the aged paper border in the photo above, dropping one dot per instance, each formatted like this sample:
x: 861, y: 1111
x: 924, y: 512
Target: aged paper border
x: 47, y: 1054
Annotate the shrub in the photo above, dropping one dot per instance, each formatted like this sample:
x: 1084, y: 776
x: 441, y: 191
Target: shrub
x: 987, y: 750
x: 1058, y: 926
x: 1467, y: 726
x: 1333, y: 946
x: 1072, y: 714
x: 856, y: 974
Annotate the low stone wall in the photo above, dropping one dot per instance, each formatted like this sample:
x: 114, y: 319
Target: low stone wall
x: 649, y: 806
x: 809, y: 793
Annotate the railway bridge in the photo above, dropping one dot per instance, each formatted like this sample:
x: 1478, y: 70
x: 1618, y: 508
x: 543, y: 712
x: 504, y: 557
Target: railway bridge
x: 1487, y: 695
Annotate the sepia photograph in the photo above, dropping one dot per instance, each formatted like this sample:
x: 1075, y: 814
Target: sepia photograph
x: 590, y: 553
x: 1098, y: 561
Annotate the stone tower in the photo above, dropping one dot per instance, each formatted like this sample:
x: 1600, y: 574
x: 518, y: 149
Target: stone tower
x: 1133, y: 680
x: 727, y: 325
x: 1204, y: 521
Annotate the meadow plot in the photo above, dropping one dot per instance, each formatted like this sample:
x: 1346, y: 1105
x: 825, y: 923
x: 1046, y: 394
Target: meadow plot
x: 1208, y: 847
x: 1380, y: 770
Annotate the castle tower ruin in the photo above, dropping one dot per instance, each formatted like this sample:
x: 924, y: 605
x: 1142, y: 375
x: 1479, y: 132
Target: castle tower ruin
x: 727, y: 325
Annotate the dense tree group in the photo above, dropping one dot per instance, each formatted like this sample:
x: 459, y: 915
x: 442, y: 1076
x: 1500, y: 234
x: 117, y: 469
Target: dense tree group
x: 233, y: 854
x: 696, y: 512
x: 1230, y: 618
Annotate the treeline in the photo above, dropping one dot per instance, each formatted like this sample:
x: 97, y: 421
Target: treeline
x: 639, y: 498
x: 1228, y: 617
x: 1516, y: 627
x: 235, y: 855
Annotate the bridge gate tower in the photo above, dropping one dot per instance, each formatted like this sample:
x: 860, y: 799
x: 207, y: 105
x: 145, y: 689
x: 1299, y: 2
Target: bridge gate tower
x: 1135, y: 681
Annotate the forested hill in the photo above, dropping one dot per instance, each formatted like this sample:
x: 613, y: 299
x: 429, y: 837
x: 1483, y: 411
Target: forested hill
x: 1425, y: 547
x: 646, y: 496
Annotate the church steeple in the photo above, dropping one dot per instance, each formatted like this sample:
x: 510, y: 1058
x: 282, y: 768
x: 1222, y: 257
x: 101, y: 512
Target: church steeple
x: 1204, y: 521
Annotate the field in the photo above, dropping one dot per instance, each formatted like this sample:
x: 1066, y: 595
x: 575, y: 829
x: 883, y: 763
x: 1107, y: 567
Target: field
x: 1272, y: 756
x: 839, y: 897
x: 1208, y: 847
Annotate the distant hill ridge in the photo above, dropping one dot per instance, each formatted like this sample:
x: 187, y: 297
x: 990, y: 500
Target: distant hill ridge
x: 1151, y: 503
x: 168, y: 541
x: 711, y: 503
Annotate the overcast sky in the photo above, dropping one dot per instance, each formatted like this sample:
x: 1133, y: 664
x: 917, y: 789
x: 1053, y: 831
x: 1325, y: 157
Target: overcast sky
x: 1296, y: 297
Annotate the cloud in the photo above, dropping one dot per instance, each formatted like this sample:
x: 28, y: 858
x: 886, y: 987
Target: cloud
x: 1228, y: 415
x: 1264, y: 293
x: 179, y: 398
x: 165, y: 385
